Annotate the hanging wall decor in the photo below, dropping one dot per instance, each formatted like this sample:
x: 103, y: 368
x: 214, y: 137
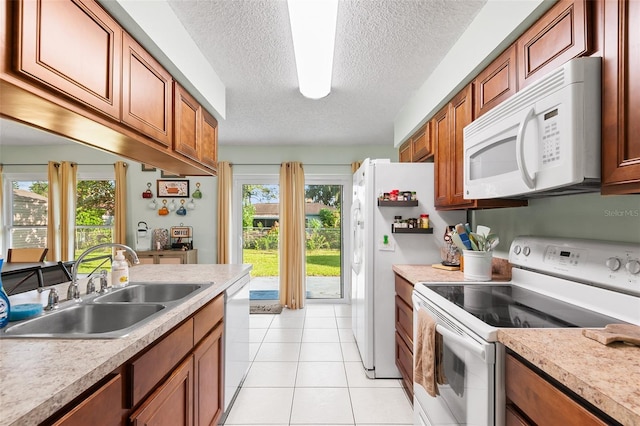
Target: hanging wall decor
x: 181, y: 210
x: 163, y: 211
x: 152, y: 205
x: 197, y: 194
x: 148, y: 193
x: 173, y: 188
x: 191, y: 205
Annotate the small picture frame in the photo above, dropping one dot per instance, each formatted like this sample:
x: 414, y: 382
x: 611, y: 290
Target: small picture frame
x: 173, y: 188
x: 147, y: 168
x: 168, y: 175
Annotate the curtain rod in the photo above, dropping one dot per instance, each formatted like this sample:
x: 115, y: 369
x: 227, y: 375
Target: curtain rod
x: 46, y: 164
x: 278, y: 164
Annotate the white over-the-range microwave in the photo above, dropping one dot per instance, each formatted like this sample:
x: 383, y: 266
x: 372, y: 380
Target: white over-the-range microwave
x: 544, y: 140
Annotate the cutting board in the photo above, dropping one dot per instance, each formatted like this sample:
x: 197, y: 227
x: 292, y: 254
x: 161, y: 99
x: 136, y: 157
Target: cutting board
x: 446, y: 268
x: 627, y: 333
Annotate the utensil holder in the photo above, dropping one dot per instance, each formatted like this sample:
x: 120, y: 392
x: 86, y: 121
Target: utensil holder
x: 477, y: 265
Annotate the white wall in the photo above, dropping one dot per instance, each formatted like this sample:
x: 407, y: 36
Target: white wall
x: 496, y: 26
x: 202, y: 219
x: 592, y: 216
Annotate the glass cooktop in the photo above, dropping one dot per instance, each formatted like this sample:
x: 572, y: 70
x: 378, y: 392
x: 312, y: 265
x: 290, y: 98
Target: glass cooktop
x: 510, y: 306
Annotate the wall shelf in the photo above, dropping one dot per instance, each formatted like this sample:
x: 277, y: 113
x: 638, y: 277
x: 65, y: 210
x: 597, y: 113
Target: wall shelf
x: 384, y: 203
x: 411, y: 230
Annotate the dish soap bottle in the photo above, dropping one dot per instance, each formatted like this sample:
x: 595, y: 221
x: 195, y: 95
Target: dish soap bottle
x: 119, y: 270
x: 5, y: 306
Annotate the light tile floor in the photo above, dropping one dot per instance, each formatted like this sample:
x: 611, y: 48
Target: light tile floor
x: 306, y: 370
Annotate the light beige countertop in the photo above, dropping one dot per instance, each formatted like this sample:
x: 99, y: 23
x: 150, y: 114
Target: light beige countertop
x: 606, y: 376
x: 40, y: 376
x: 417, y: 273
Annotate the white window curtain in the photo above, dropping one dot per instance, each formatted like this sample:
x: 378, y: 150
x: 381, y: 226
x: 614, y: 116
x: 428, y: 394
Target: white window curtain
x: 292, y: 236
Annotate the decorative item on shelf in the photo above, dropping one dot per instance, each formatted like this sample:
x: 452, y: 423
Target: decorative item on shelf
x: 148, y: 193
x: 197, y: 194
x: 181, y: 210
x: 191, y: 205
x: 163, y: 211
x: 160, y: 238
x: 152, y: 205
x: 449, y: 254
x: 181, y: 237
x: 172, y: 206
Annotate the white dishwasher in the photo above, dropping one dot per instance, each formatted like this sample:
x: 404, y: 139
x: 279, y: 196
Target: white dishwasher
x: 236, y: 338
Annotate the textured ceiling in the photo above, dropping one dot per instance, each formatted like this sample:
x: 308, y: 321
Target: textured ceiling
x: 385, y: 49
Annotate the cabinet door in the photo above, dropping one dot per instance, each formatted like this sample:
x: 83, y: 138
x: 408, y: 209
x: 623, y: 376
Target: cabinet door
x: 187, y: 123
x: 421, y: 144
x: 74, y: 47
x: 560, y: 35
x: 146, y: 260
x: 172, y: 403
x: 461, y: 115
x: 146, y: 93
x: 496, y: 83
x: 208, y: 146
x: 170, y: 259
x: 404, y: 153
x: 404, y: 362
x: 621, y: 99
x: 441, y: 137
x: 104, y: 406
x: 208, y: 384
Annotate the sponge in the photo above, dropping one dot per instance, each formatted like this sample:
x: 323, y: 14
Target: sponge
x: 24, y: 311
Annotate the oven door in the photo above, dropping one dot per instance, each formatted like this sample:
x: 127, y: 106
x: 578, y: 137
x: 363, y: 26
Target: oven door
x: 468, y: 397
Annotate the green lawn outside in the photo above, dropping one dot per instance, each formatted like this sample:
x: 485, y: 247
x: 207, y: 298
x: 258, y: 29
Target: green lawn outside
x: 320, y: 263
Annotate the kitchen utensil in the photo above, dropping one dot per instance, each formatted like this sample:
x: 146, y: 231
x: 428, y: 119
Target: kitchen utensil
x: 458, y: 242
x: 627, y: 333
x: 463, y: 236
x: 483, y: 230
x: 163, y: 211
x: 181, y: 210
x: 148, y: 193
x: 197, y: 194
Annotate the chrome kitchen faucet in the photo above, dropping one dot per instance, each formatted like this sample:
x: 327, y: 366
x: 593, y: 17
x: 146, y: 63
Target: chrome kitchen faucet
x: 73, y: 292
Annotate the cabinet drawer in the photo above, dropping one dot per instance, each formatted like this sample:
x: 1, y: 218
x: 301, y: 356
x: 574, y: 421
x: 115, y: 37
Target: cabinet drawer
x: 207, y: 318
x: 541, y: 401
x: 404, y: 321
x: 404, y: 289
x: 157, y: 362
x: 104, y: 406
x: 404, y: 362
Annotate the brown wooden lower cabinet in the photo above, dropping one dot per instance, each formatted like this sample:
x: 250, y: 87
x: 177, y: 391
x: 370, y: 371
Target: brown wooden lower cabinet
x: 532, y: 400
x: 404, y: 333
x: 177, y: 381
x: 102, y: 406
x: 171, y: 403
x: 161, y: 257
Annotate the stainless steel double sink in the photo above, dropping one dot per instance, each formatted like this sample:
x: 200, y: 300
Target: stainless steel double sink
x: 106, y: 316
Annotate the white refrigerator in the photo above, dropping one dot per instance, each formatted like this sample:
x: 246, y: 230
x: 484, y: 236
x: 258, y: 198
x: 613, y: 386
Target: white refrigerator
x: 376, y: 249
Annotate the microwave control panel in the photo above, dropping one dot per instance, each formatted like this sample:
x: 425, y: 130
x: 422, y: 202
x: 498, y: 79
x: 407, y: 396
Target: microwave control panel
x: 550, y: 138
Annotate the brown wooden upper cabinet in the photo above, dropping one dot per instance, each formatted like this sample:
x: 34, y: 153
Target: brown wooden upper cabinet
x: 196, y: 131
x: 448, y: 126
x: 74, y: 47
x: 404, y: 153
x: 419, y: 147
x: 621, y: 98
x: 559, y: 35
x: 146, y: 93
x: 496, y: 83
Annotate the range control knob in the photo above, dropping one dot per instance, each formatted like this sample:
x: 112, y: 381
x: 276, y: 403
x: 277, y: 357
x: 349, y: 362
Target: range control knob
x: 517, y: 249
x: 613, y: 263
x: 526, y: 251
x: 633, y: 266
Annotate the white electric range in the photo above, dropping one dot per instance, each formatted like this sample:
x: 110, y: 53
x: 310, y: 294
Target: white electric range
x: 556, y: 283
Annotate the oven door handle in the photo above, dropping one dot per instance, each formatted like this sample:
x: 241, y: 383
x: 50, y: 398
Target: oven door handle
x: 471, y: 346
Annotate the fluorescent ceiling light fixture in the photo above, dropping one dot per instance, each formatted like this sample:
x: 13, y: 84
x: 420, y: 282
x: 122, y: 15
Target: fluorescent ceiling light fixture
x: 313, y: 28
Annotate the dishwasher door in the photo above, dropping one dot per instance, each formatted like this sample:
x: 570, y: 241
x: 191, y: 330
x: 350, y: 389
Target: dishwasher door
x: 236, y: 338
